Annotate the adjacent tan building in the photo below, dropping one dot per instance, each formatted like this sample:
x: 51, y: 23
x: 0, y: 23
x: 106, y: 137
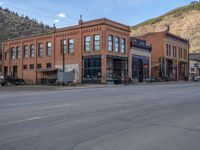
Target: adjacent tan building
x: 169, y: 55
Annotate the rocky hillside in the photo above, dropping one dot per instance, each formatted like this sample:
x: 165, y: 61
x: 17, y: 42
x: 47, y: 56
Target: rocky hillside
x: 183, y: 21
x: 12, y: 25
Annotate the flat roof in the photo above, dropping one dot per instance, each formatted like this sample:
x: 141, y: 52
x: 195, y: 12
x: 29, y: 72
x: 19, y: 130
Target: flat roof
x: 166, y: 33
x: 85, y: 24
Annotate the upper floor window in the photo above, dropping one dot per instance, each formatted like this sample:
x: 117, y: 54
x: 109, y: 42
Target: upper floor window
x: 96, y: 42
x: 110, y: 43
x: 175, y: 51
x: 25, y: 51
x: 63, y: 46
x: 170, y: 50
x: 32, y: 50
x: 39, y: 66
x: 18, y: 52
x: 167, y: 50
x: 185, y: 54
x: 116, y: 44
x: 48, y: 49
x: 25, y: 67
x: 123, y: 46
x: 40, y: 49
x: 87, y: 43
x: 31, y: 66
x: 48, y: 66
x: 71, y: 46
x: 12, y: 53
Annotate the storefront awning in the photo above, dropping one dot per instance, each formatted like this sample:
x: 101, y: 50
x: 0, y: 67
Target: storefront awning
x: 47, y: 70
x: 117, y: 57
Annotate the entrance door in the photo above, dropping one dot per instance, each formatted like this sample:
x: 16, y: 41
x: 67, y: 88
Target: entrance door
x: 5, y: 71
x: 140, y: 71
x: 15, y: 71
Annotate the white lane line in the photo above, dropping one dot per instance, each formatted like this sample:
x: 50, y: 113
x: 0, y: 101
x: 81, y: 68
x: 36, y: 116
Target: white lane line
x: 24, y: 120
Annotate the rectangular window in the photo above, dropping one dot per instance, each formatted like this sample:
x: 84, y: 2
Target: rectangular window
x: 48, y: 49
x: 39, y: 66
x: 87, y: 43
x: 25, y: 51
x: 48, y: 66
x: 185, y: 53
x: 18, y: 53
x: 63, y: 46
x: 25, y: 67
x: 123, y: 46
x: 167, y: 49
x: 110, y: 43
x: 32, y: 51
x: 175, y: 51
x: 170, y: 50
x: 31, y: 66
x: 13, y: 53
x: 71, y: 46
x: 40, y: 49
x: 116, y: 44
x: 96, y: 42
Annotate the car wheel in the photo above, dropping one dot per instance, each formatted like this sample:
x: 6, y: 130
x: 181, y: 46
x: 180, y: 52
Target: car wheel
x: 3, y: 84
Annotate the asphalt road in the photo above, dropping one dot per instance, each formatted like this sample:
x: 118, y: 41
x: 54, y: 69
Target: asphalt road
x: 147, y: 117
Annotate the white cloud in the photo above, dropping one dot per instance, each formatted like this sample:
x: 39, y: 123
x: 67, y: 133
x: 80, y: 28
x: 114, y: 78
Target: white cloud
x: 56, y: 20
x: 62, y: 15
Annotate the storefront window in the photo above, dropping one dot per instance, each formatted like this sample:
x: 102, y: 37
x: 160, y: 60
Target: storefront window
x: 92, y: 69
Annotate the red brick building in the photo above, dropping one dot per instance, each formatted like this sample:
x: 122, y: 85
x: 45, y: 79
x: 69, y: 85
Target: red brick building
x: 96, y: 50
x: 169, y: 55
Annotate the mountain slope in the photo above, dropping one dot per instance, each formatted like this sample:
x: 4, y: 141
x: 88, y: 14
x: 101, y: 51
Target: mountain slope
x: 12, y: 25
x: 183, y: 21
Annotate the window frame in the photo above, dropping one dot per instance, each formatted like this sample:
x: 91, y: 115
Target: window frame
x: 25, y: 53
x: 97, y: 42
x: 40, y: 49
x: 117, y: 44
x: 18, y: 52
x: 123, y: 45
x: 31, y: 67
x: 12, y: 53
x: 48, y: 66
x: 48, y: 49
x: 87, y: 44
x: 63, y: 46
x: 32, y: 51
x: 110, y: 41
x: 71, y: 46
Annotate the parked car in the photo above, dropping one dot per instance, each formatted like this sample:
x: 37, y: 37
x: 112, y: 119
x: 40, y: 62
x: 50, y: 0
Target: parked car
x: 197, y: 79
x: 9, y: 80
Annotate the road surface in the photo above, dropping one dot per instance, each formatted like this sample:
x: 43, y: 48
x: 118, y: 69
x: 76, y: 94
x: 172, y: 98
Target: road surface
x: 143, y: 117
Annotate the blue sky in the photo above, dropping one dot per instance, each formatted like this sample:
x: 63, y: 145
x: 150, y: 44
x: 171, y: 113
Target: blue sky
x: 66, y: 12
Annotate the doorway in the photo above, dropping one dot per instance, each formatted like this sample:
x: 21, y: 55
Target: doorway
x: 15, y: 70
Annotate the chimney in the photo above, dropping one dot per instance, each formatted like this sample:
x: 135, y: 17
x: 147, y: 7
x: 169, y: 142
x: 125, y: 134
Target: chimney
x: 81, y: 20
x: 54, y: 27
